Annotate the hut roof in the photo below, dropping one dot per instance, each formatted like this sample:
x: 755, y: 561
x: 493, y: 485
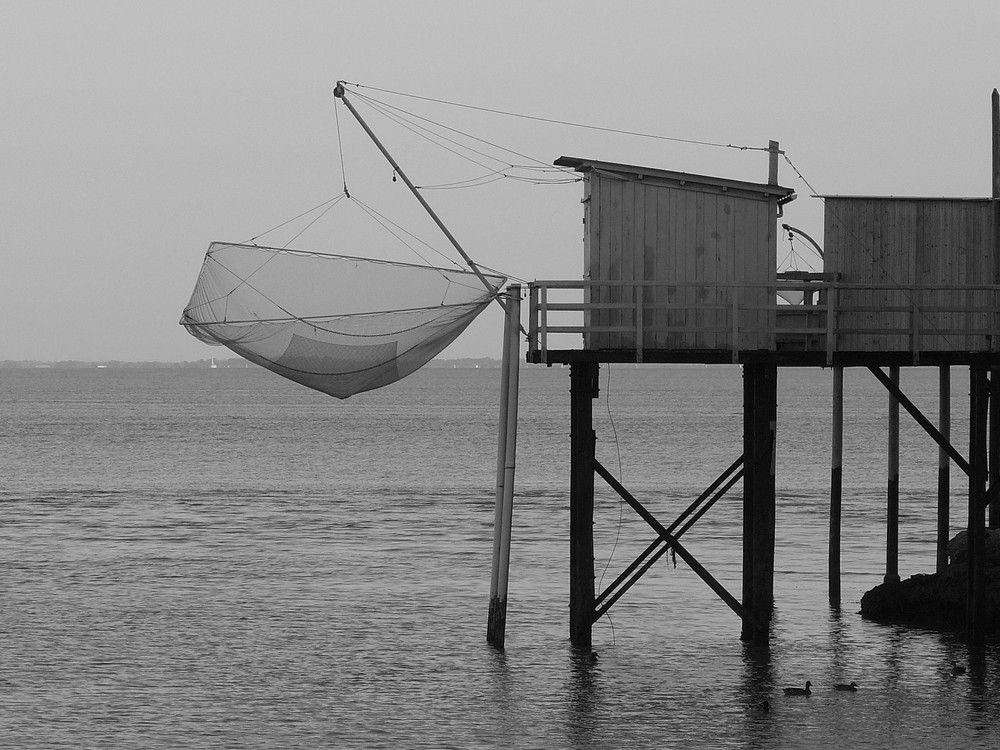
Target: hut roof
x: 680, y: 179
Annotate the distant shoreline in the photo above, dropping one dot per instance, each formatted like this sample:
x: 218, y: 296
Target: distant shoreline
x: 204, y: 364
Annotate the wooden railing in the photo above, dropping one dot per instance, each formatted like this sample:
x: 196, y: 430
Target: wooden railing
x: 735, y: 317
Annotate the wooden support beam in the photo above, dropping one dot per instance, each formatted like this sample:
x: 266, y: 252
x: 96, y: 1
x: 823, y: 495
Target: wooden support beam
x: 583, y: 390
x: 976, y: 542
x: 944, y: 469
x: 892, y: 494
x: 760, y: 402
x: 993, y: 514
x: 836, y: 484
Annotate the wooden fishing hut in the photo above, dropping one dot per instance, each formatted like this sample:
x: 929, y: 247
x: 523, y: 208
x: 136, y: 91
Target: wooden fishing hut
x: 680, y: 268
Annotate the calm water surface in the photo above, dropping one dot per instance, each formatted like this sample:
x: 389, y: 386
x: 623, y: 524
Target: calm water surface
x: 218, y: 558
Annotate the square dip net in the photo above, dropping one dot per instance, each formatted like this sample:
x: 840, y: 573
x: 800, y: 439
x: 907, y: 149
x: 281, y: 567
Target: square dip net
x: 338, y: 324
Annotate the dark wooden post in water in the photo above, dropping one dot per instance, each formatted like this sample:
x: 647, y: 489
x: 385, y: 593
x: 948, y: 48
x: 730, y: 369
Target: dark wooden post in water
x: 944, y: 469
x: 836, y: 483
x: 892, y: 505
x: 994, y: 428
x: 978, y: 471
x: 583, y: 390
x: 993, y: 515
x: 760, y: 407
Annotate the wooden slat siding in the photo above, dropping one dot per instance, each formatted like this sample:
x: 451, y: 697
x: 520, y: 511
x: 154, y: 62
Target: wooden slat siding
x: 846, y: 232
x: 631, y: 191
x: 726, y: 228
x: 609, y: 246
x: 933, y: 236
x: 742, y: 241
x: 835, y: 252
x: 666, y: 269
x: 716, y: 318
x: 748, y: 251
x: 701, y: 293
x: 955, y: 273
x: 901, y: 243
x: 599, y: 260
x: 650, y: 216
x: 769, y: 260
x: 981, y: 239
x: 612, y: 271
x: 931, y: 263
x: 687, y: 249
x: 675, y: 241
x: 911, y: 241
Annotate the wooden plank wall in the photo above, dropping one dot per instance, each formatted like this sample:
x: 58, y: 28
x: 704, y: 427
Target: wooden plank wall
x: 647, y: 229
x: 909, y: 241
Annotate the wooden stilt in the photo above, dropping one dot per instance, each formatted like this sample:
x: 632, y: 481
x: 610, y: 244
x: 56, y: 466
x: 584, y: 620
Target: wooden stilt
x: 978, y: 471
x: 506, y: 460
x: 759, y: 426
x: 892, y: 501
x: 836, y: 484
x: 993, y: 516
x: 944, y: 469
x: 583, y: 389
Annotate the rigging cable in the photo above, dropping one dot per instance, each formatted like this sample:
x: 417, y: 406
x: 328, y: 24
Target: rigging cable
x: 563, y: 122
x: 572, y: 176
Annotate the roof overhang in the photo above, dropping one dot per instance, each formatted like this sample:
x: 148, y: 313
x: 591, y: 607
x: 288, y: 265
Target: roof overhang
x: 679, y: 179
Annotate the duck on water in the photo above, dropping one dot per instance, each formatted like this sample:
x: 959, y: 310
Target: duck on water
x: 798, y: 691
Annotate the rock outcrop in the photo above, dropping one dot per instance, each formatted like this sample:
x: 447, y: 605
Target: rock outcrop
x: 937, y: 600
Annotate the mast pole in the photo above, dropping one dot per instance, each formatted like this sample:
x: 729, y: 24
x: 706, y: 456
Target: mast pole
x: 340, y: 93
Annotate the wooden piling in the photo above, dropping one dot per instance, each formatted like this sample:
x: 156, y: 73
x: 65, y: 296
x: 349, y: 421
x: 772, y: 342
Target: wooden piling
x: 976, y: 541
x: 892, y: 499
x: 506, y: 462
x: 944, y: 469
x: 836, y: 484
x: 583, y: 390
x: 994, y: 427
x: 993, y: 514
x: 760, y: 404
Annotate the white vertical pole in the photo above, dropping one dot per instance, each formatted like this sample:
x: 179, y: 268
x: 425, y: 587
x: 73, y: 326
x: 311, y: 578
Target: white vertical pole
x: 510, y: 460
x: 495, y: 617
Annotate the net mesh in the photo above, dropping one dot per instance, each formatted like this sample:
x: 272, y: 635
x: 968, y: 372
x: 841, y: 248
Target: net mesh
x: 338, y: 324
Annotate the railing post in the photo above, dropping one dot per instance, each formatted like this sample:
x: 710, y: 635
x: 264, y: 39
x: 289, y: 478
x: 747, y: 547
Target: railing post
x: 533, y: 313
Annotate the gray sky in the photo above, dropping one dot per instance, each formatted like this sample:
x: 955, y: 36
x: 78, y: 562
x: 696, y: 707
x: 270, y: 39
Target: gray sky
x: 134, y: 133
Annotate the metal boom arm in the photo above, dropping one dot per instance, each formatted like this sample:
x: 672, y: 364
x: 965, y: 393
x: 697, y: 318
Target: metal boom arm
x: 341, y: 94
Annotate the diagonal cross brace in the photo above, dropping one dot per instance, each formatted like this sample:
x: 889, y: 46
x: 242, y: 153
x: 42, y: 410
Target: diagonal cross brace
x: 671, y: 540
x: 923, y: 421
x: 993, y: 492
x: 658, y: 547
